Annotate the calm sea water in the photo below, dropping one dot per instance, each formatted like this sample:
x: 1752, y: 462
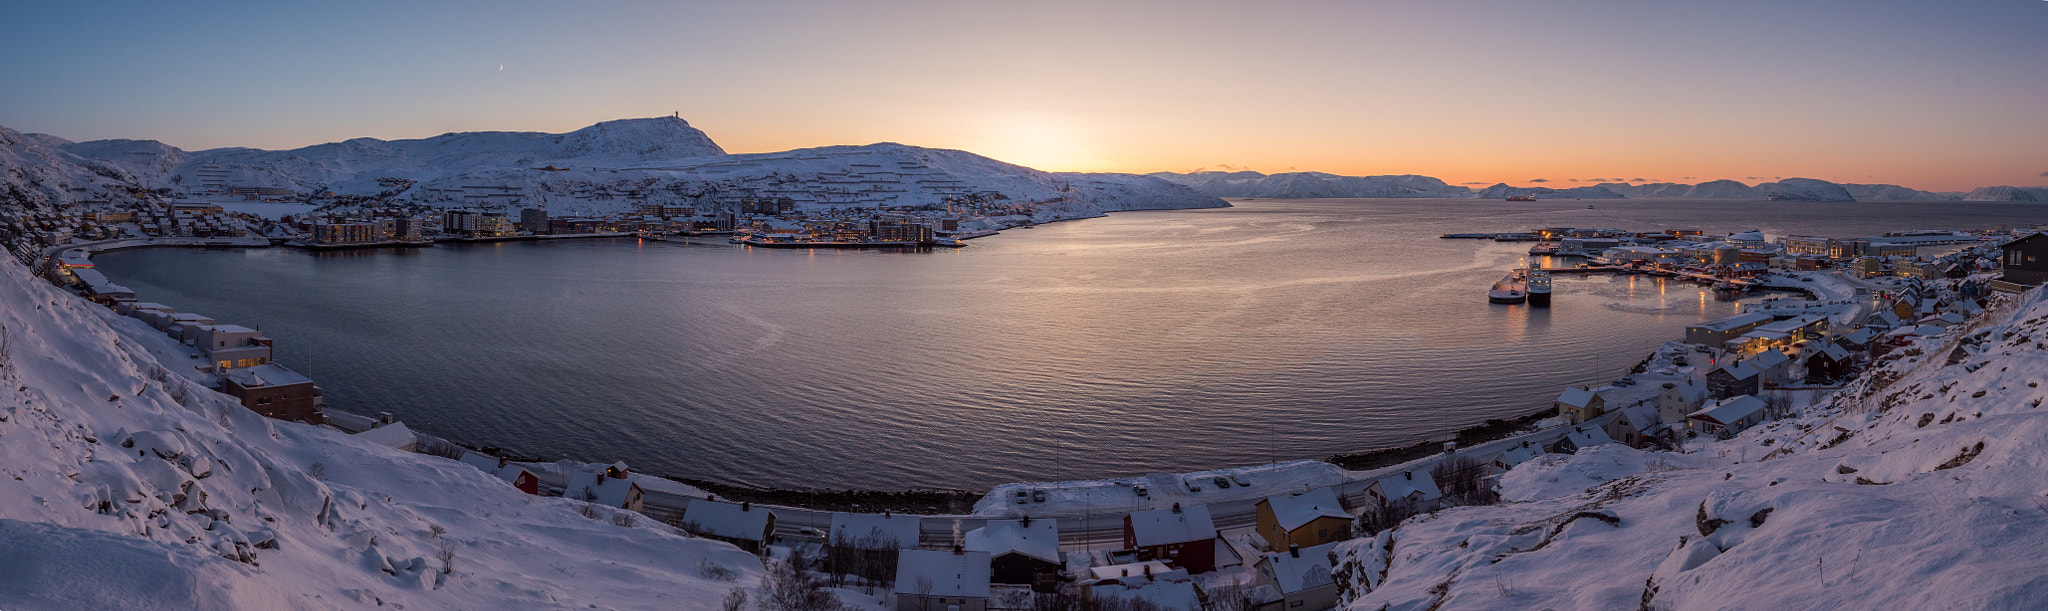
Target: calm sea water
x: 1141, y: 342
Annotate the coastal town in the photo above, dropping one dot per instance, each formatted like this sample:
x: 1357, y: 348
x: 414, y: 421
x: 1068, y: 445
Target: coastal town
x: 1257, y: 537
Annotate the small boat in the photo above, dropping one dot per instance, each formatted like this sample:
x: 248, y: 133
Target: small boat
x: 1589, y: 206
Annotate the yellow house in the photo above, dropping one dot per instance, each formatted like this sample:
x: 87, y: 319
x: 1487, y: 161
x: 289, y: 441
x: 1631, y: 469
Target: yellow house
x: 1578, y: 405
x: 1305, y: 519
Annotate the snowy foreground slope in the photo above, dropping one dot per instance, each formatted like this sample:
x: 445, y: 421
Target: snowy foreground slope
x: 1923, y: 485
x: 125, y: 486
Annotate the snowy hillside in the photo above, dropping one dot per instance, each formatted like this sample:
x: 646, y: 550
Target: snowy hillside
x: 1909, y: 489
x: 1503, y: 191
x: 1293, y: 185
x: 127, y: 486
x: 1805, y: 190
x: 616, y: 165
x: 37, y: 175
x: 2007, y: 194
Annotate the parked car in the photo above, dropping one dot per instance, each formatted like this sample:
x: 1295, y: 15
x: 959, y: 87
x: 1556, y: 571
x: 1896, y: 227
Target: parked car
x: 1023, y: 496
x: 1141, y: 490
x: 1240, y: 479
x: 1220, y: 482
x: 1038, y: 496
x: 1192, y: 484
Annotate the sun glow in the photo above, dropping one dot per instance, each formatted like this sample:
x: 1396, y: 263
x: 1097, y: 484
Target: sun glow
x: 1039, y: 140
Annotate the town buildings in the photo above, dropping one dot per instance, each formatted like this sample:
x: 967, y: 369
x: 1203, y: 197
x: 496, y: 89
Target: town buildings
x: 1302, y: 519
x: 748, y: 527
x: 1021, y: 552
x: 1577, y: 405
x: 1183, y: 537
x: 951, y: 580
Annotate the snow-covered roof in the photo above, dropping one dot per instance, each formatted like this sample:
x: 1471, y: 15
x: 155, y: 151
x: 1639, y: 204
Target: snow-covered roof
x: 1688, y: 391
x: 1642, y: 417
x: 1135, y: 569
x: 1576, y: 397
x: 1832, y: 351
x: 1770, y: 358
x: 1519, y: 454
x: 1733, y: 322
x: 1791, y: 324
x: 949, y: 574
x: 481, y: 461
x: 1308, y: 570
x: 268, y: 374
x: 1295, y: 510
x: 860, y: 528
x: 598, y: 488
x: 393, y: 435
x: 152, y: 306
x: 1729, y: 410
x: 1041, y: 540
x: 727, y: 520
x: 1860, y: 336
x: 1586, y: 437
x: 1407, y: 484
x: 1166, y: 526
x: 1739, y: 369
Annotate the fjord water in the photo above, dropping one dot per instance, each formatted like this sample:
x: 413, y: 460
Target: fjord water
x: 1140, y: 342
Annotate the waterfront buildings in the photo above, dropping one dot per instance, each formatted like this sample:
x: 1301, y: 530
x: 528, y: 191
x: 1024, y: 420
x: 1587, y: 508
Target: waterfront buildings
x: 744, y: 525
x: 1303, y: 576
x: 1184, y: 537
x: 275, y: 392
x: 2025, y: 260
x: 1734, y: 379
x: 1021, y: 552
x: 1727, y: 416
x: 1715, y: 333
x: 1302, y: 519
x: 611, y: 487
x: 1412, y: 489
x: 1578, y: 405
x: 932, y: 579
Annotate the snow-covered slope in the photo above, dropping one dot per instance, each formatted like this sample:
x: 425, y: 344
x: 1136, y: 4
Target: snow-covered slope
x: 1503, y: 191
x: 1805, y: 190
x: 35, y: 174
x: 1919, y: 486
x: 2007, y: 194
x: 615, y: 165
x: 123, y: 485
x: 1292, y: 185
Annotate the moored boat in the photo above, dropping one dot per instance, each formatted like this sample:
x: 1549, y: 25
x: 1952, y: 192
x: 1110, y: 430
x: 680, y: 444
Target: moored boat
x: 1539, y: 288
x: 1514, y: 288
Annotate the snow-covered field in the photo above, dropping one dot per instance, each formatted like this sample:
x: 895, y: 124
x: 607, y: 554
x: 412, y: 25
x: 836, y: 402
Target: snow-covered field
x: 124, y: 486
x: 1917, y: 487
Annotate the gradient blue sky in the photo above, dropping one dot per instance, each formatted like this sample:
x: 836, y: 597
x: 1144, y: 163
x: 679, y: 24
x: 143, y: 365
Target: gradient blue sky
x: 1936, y: 95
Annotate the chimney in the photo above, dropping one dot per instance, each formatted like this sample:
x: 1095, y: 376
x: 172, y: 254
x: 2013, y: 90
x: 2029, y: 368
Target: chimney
x: 1408, y: 474
x: 1148, y: 571
x: 885, y: 514
x: 1027, y: 521
x: 384, y: 417
x: 1176, y: 507
x: 1294, y: 550
x: 501, y: 462
x: 746, y: 506
x: 959, y: 550
x: 1127, y: 571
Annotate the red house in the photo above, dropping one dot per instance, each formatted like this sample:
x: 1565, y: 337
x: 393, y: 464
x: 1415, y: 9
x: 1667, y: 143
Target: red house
x: 1184, y: 538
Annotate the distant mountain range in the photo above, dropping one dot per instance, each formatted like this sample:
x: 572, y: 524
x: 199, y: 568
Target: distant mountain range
x: 1292, y: 185
x: 608, y: 167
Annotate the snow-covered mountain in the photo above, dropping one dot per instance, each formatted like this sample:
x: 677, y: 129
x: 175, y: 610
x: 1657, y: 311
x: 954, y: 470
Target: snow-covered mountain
x: 1293, y: 185
x: 612, y: 166
x: 1805, y: 190
x: 2008, y: 194
x: 1730, y: 189
x: 129, y: 486
x: 1915, y: 487
x: 37, y: 175
x: 1503, y: 191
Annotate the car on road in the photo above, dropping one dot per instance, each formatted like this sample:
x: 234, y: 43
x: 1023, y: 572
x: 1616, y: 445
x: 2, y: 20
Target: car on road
x: 810, y: 532
x: 1141, y: 490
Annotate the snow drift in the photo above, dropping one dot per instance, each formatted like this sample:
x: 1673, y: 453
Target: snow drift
x: 129, y: 486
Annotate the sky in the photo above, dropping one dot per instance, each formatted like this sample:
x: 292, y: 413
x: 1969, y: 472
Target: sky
x: 1945, y: 95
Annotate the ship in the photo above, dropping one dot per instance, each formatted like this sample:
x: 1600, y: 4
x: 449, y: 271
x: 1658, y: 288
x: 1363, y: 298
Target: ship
x: 1521, y: 198
x: 1539, y: 288
x: 1514, y: 288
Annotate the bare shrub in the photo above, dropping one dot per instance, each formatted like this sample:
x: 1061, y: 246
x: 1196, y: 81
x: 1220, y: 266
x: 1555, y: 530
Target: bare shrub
x: 791, y: 585
x: 735, y: 600
x: 6, y: 351
x: 716, y: 572
x: 317, y: 471
x: 446, y: 554
x: 1463, y: 481
x: 625, y: 519
x: 591, y: 511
